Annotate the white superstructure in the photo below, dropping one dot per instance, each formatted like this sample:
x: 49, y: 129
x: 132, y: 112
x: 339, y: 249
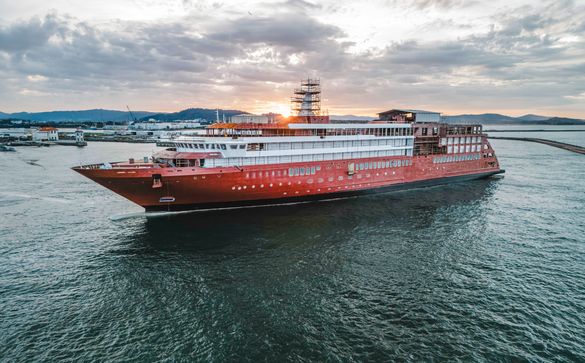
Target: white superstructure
x: 322, y: 142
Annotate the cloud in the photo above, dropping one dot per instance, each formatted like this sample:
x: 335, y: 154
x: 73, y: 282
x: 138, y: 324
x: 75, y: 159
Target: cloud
x: 253, y: 58
x: 33, y: 33
x: 302, y: 34
x: 421, y: 4
x: 36, y: 78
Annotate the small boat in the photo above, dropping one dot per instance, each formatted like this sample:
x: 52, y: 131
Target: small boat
x: 5, y: 148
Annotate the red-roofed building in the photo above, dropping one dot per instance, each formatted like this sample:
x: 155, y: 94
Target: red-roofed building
x: 45, y: 134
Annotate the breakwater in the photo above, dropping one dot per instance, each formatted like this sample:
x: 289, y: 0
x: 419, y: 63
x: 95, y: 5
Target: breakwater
x: 561, y: 145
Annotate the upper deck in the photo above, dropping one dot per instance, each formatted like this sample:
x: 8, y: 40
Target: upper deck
x: 309, y: 136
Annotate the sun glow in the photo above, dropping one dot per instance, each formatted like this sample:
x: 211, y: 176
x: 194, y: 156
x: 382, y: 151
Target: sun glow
x: 281, y: 109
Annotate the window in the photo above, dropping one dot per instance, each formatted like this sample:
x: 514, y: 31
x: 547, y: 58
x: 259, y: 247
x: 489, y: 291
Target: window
x: 243, y: 146
x: 223, y: 146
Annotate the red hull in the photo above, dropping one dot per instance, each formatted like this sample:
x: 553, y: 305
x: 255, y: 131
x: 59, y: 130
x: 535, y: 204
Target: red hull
x: 204, y: 188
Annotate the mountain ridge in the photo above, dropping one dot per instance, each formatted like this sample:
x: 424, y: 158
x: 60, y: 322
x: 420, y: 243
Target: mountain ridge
x: 495, y: 119
x: 96, y: 114
x: 210, y: 114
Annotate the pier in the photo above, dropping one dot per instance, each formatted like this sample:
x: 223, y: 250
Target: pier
x: 561, y: 145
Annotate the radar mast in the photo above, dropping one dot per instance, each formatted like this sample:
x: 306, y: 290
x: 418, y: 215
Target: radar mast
x: 307, y: 99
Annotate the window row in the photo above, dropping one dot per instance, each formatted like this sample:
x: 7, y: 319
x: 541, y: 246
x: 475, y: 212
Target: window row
x: 335, y: 144
x: 304, y: 171
x: 461, y: 140
x: 452, y: 158
x: 382, y: 164
x: 208, y: 146
x: 297, y: 145
x: 463, y: 149
x: 210, y: 163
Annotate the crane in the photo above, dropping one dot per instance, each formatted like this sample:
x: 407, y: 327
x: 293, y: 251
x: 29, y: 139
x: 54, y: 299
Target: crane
x: 131, y: 114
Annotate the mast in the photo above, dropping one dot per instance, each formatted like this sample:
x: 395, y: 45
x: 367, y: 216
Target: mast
x: 307, y: 99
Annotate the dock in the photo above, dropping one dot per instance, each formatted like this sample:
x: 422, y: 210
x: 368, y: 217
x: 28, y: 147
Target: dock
x: 561, y: 145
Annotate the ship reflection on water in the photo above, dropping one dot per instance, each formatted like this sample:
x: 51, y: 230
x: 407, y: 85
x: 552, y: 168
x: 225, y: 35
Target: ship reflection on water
x: 400, y: 211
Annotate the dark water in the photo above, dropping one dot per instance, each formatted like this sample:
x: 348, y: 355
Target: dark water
x: 491, y: 270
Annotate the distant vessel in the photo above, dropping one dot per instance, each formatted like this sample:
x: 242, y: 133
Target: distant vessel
x: 5, y: 148
x: 301, y: 158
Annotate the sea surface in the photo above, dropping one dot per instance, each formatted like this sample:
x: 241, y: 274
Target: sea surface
x: 490, y: 270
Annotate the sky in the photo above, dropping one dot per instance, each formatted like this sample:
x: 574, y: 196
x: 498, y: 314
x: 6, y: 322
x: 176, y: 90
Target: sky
x: 452, y: 56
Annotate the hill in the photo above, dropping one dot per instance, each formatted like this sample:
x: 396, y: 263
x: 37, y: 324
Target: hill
x: 495, y: 119
x: 559, y: 121
x: 209, y: 114
x: 485, y: 118
x: 83, y: 115
x: 531, y: 117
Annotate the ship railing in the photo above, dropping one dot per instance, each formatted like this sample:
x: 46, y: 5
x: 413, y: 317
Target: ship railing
x: 118, y: 165
x: 90, y: 166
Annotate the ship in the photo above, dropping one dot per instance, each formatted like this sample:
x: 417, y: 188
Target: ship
x: 269, y: 160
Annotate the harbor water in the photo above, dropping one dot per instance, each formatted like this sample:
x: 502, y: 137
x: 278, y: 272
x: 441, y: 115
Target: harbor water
x: 489, y: 270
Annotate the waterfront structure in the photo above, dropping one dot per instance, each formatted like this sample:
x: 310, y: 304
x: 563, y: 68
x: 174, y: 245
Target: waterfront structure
x: 248, y: 118
x: 45, y: 134
x: 161, y: 126
x: 301, y: 158
x: 75, y: 139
